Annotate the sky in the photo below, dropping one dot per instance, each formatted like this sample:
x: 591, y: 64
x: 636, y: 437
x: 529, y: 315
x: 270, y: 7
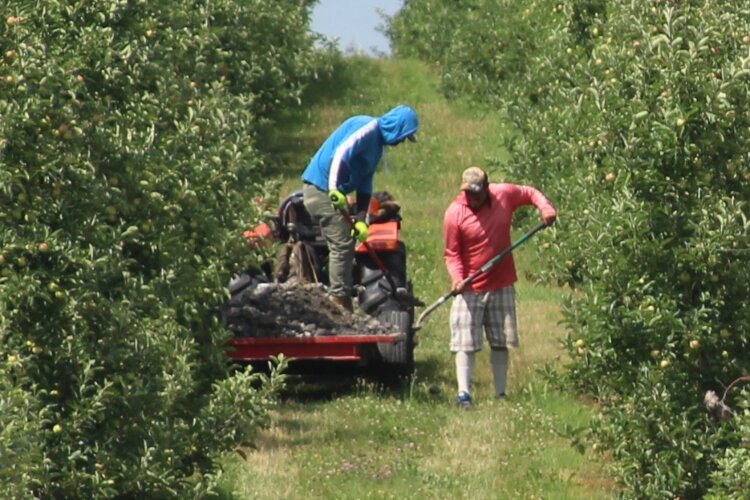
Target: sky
x: 354, y: 23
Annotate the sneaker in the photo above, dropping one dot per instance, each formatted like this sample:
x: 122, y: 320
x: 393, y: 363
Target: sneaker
x: 500, y: 396
x: 463, y: 400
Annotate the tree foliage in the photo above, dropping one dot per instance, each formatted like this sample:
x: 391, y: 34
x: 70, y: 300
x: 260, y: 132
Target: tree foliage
x: 127, y: 157
x: 632, y: 117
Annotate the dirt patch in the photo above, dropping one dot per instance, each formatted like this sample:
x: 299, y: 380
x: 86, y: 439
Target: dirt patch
x: 294, y: 309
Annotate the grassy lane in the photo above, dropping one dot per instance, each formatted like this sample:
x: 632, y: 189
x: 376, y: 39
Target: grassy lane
x: 355, y: 439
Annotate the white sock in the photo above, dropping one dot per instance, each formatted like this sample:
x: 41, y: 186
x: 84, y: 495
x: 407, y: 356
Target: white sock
x: 464, y: 369
x: 499, y: 364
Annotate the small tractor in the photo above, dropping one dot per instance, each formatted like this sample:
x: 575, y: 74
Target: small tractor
x: 382, y: 290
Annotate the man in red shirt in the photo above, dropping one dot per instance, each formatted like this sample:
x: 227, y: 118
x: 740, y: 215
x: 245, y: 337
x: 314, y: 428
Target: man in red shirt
x: 476, y: 228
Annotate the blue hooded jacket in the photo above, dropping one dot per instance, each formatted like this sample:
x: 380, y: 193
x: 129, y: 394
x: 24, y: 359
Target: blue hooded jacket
x: 347, y: 160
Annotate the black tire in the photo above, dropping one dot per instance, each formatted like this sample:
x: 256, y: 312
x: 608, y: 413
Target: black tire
x: 240, y: 285
x: 375, y: 289
x: 397, y: 358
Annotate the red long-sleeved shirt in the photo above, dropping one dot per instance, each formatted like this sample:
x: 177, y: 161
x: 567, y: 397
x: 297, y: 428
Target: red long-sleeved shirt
x: 473, y: 238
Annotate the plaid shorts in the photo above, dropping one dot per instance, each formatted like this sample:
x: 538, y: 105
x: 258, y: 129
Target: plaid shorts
x: 495, y: 312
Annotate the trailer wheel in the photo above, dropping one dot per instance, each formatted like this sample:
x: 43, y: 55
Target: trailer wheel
x: 397, y: 358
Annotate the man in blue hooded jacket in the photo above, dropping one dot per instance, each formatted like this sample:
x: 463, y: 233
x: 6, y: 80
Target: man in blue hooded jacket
x: 346, y: 163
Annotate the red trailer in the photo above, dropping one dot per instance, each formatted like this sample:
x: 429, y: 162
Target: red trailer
x: 383, y: 291
x: 362, y: 349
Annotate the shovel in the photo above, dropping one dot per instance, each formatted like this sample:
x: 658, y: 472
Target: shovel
x: 486, y: 267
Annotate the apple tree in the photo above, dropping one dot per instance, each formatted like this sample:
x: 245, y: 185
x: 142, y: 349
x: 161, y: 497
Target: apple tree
x: 127, y: 159
x: 632, y: 117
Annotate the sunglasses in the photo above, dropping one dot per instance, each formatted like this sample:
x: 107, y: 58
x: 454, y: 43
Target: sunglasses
x: 477, y: 195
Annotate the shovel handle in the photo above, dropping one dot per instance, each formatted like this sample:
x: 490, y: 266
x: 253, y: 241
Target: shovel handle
x: 497, y: 258
x: 486, y: 267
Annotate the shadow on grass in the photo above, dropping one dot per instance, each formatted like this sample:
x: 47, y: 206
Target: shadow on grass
x: 312, y: 381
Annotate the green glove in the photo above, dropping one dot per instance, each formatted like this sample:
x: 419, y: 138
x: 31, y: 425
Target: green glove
x: 359, y: 231
x: 338, y: 199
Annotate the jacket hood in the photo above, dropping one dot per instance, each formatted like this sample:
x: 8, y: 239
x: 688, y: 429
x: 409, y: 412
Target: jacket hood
x: 398, y: 124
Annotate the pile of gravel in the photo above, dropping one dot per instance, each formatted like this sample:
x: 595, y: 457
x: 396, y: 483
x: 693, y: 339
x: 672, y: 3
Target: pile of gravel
x: 293, y: 309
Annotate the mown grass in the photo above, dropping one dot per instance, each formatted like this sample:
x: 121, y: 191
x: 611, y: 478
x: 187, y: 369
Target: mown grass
x: 356, y: 439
